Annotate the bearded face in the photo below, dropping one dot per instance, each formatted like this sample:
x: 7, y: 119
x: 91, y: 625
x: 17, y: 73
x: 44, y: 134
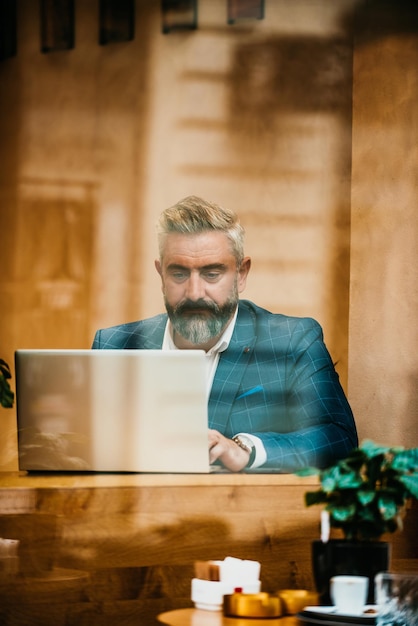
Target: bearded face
x: 203, y: 320
x: 201, y: 282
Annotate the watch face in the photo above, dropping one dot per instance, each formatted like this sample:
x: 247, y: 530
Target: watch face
x: 247, y: 441
x: 242, y: 443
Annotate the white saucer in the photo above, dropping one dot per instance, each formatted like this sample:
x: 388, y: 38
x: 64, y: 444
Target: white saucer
x: 332, y: 610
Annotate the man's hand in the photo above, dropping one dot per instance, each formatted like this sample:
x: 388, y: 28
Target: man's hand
x: 227, y: 451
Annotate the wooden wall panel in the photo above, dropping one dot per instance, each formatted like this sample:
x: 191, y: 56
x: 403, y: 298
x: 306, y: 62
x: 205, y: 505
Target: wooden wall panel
x: 55, y: 236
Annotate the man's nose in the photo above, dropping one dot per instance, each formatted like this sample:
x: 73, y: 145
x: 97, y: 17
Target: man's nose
x: 195, y: 287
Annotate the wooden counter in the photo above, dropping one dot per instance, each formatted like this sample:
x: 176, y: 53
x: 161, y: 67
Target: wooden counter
x: 119, y: 549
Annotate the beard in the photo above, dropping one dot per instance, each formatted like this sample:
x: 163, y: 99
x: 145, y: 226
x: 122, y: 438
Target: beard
x: 203, y: 325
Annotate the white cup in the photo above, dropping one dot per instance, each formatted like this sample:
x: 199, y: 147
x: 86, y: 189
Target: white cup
x: 349, y: 593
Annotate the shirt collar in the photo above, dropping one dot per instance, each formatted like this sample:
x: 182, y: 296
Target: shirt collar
x: 220, y: 346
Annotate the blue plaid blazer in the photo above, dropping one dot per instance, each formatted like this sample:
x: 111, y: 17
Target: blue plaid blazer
x: 276, y: 380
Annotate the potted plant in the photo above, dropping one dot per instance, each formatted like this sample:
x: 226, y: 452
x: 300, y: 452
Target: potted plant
x: 6, y: 394
x: 365, y: 496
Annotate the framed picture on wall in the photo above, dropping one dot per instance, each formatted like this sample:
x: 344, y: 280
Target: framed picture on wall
x: 57, y: 25
x: 178, y: 15
x: 245, y: 9
x: 116, y: 21
x: 8, y: 29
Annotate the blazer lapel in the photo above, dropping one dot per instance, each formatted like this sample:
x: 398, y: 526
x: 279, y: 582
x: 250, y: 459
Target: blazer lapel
x: 148, y: 334
x: 154, y: 339
x: 231, y: 368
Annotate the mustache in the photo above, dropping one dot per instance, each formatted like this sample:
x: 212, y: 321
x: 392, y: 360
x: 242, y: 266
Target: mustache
x: 192, y: 305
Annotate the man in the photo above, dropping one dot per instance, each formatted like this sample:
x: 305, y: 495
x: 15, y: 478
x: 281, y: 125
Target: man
x: 275, y: 399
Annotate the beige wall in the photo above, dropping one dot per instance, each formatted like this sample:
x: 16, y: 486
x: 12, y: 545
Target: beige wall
x: 96, y: 141
x: 383, y: 364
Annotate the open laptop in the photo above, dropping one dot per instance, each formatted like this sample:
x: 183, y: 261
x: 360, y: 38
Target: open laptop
x: 112, y: 410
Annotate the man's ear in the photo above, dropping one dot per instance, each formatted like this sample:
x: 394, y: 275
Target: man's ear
x: 243, y: 273
x: 157, y: 264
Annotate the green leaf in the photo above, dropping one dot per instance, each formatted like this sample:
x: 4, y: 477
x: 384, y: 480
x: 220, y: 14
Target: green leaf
x: 308, y: 471
x: 343, y: 513
x: 340, y: 477
x: 6, y: 394
x: 410, y: 481
x: 387, y: 507
x: 5, y: 369
x: 406, y: 460
x: 371, y: 449
x: 365, y: 497
x: 328, y: 484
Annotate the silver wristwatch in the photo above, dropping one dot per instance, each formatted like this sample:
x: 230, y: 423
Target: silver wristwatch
x: 246, y: 444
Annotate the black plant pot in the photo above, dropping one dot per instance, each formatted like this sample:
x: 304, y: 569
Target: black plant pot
x: 355, y: 558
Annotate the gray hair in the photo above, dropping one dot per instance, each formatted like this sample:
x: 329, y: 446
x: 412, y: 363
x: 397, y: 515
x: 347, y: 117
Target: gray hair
x: 195, y: 215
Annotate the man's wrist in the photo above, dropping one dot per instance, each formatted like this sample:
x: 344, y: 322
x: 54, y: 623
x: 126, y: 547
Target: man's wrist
x: 246, y: 444
x: 260, y: 451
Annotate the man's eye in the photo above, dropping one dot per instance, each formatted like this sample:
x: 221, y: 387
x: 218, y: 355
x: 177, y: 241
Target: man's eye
x: 178, y: 275
x: 212, y: 275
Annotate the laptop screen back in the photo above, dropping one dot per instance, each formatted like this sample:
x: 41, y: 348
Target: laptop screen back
x: 112, y: 410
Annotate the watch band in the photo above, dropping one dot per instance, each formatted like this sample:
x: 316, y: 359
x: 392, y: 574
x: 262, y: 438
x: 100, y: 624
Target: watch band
x: 248, y: 448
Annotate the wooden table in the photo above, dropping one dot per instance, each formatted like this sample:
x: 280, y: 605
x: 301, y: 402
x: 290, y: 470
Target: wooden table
x: 198, y: 617
x: 136, y: 538
x: 105, y: 549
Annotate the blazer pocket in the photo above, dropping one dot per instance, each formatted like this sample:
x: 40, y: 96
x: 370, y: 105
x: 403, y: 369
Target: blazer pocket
x: 251, y: 392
